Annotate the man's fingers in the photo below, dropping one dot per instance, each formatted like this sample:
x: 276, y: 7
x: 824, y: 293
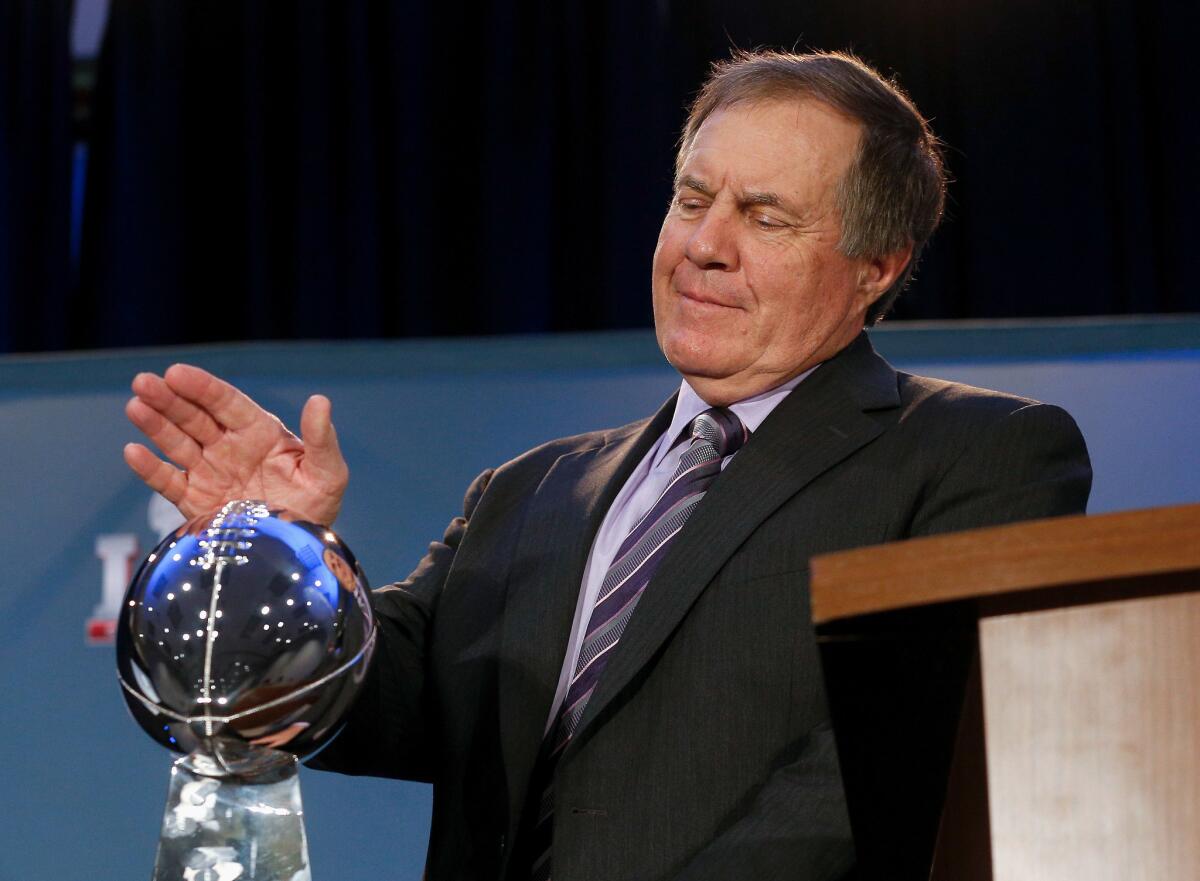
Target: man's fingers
x: 157, y: 474
x: 321, y: 450
x: 177, y: 445
x: 154, y: 391
x: 224, y: 403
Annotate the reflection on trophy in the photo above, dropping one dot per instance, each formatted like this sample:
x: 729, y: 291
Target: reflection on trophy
x: 242, y: 642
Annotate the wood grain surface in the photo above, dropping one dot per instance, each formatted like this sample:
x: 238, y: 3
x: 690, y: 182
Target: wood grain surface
x: 1006, y: 560
x: 1093, y: 741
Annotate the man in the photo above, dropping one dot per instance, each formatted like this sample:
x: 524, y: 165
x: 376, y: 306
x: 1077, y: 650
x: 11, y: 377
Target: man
x: 607, y: 667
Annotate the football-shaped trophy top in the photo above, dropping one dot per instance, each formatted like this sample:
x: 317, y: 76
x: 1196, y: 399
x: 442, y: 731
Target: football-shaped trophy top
x: 244, y: 634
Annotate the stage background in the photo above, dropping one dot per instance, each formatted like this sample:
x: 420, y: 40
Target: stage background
x: 381, y: 168
x: 83, y: 787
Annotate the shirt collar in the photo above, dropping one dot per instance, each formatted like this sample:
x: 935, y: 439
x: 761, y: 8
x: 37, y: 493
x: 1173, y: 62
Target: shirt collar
x: 752, y: 411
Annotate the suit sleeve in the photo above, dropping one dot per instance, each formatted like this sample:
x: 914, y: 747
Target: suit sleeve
x: 1030, y: 463
x: 387, y: 732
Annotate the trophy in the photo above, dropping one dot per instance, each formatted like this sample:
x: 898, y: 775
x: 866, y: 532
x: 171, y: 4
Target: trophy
x: 242, y: 642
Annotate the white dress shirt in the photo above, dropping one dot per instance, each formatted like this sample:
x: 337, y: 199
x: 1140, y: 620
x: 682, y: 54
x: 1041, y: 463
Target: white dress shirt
x: 639, y: 494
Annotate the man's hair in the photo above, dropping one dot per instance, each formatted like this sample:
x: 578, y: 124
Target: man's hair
x: 894, y: 191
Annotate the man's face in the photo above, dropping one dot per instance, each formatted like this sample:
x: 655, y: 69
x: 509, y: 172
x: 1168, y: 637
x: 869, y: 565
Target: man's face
x: 749, y: 287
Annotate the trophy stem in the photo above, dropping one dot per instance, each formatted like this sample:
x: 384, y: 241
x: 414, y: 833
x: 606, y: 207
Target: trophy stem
x: 232, y: 828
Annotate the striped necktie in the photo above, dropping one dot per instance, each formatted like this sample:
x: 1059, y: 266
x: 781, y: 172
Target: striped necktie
x: 715, y: 434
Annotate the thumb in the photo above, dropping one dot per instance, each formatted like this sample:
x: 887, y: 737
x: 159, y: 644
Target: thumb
x: 321, y: 450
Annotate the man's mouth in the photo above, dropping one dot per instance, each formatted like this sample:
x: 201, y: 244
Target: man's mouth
x: 705, y: 299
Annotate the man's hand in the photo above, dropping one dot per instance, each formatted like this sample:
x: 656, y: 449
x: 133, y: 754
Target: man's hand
x: 228, y: 447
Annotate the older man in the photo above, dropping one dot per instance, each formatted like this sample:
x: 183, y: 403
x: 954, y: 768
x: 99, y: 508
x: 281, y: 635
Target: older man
x: 606, y: 668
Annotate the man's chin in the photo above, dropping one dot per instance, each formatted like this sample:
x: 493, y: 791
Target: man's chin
x: 699, y: 365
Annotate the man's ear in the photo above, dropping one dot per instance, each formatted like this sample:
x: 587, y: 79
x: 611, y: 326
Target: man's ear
x: 877, y: 274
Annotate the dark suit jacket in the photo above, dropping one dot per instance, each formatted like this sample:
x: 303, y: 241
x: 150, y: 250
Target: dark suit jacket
x: 706, y: 751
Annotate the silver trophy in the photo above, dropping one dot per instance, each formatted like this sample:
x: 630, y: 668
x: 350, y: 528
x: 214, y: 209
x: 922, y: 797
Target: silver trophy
x: 242, y: 642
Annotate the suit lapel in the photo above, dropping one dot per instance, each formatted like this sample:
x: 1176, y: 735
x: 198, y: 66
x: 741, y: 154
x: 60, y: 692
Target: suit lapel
x: 818, y: 425
x: 563, y: 517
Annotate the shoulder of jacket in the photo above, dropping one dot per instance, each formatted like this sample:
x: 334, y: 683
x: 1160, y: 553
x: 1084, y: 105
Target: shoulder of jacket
x: 949, y: 410
x: 943, y: 397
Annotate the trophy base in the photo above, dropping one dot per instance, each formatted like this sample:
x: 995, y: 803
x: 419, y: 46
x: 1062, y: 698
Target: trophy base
x: 232, y: 828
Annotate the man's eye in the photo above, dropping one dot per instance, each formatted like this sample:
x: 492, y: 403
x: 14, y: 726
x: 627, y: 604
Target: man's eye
x: 763, y: 221
x: 689, y: 203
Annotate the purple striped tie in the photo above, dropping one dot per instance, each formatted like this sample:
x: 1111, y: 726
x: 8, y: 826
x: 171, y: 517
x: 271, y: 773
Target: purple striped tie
x: 716, y: 433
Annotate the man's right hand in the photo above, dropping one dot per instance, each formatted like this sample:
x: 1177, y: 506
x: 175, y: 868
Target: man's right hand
x: 228, y: 447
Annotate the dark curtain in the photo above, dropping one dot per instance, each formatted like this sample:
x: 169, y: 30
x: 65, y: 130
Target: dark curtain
x: 373, y: 169
x: 35, y: 174
x: 342, y: 169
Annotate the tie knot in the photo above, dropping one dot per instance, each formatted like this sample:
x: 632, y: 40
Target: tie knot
x: 721, y: 428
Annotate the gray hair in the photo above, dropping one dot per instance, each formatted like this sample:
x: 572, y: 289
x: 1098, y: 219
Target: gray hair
x: 893, y: 193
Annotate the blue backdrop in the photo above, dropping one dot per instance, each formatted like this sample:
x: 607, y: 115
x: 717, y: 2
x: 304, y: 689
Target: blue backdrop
x: 83, y: 788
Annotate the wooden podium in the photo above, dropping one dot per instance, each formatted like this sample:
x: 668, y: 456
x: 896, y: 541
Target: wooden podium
x: 1020, y: 703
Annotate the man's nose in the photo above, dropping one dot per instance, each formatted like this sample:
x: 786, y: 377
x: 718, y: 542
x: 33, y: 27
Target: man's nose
x: 713, y: 242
